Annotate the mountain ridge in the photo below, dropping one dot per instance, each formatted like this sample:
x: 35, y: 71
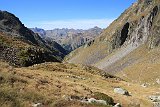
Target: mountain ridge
x: 32, y: 73
x: 22, y: 47
x: 137, y: 27
x: 70, y: 39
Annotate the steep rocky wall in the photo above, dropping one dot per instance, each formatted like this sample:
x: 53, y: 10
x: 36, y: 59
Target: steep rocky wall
x: 136, y: 32
x: 154, y: 38
x: 138, y: 25
x: 133, y: 34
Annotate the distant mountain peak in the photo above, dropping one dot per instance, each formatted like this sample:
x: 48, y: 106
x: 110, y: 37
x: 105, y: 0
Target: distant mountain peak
x: 70, y: 39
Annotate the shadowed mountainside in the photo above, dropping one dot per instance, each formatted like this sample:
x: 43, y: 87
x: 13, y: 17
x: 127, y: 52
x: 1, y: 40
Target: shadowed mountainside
x: 21, y: 47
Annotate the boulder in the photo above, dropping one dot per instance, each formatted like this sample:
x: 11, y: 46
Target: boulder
x: 37, y: 105
x: 158, y: 81
x: 154, y: 98
x: 117, y: 105
x: 144, y: 85
x: 156, y: 104
x: 121, y: 91
x: 93, y: 100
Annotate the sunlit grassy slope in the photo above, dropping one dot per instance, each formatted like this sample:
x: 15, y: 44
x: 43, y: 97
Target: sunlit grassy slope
x: 140, y: 66
x: 52, y: 83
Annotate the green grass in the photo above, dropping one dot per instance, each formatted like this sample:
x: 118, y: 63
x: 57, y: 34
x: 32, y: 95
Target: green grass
x: 102, y: 96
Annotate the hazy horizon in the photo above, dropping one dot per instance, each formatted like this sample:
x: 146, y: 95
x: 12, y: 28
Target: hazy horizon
x: 72, y: 24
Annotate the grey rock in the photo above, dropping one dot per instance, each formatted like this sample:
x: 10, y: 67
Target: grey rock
x: 117, y: 105
x: 121, y: 91
x: 93, y: 100
x: 156, y: 104
x: 37, y: 105
x: 144, y: 85
x: 154, y: 98
x: 158, y: 81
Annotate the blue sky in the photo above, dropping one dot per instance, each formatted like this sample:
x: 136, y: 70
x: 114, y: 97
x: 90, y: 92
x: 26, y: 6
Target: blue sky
x: 78, y: 14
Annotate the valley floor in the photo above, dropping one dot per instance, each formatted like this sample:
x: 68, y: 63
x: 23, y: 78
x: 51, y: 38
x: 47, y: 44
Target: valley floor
x: 52, y: 84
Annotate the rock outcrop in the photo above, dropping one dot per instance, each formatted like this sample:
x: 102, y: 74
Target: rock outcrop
x: 130, y: 40
x: 154, y: 98
x: 121, y: 91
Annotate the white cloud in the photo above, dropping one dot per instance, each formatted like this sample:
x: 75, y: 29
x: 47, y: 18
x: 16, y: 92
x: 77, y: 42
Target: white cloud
x: 76, y: 24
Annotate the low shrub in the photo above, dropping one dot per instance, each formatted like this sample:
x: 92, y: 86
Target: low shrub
x: 102, y: 96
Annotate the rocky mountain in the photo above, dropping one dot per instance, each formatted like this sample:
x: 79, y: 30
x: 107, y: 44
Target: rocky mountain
x: 127, y: 54
x: 41, y: 32
x: 70, y: 39
x: 129, y: 47
x: 22, y: 47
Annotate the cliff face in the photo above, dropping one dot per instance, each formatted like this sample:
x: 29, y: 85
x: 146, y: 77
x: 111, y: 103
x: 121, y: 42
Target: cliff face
x: 22, y: 47
x: 135, y: 26
x: 129, y: 40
